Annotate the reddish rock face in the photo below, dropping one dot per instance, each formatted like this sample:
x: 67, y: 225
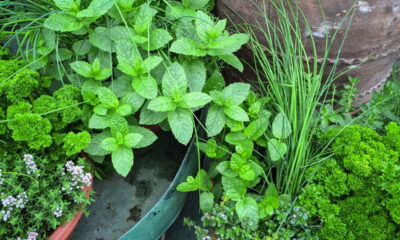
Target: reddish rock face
x: 373, y: 37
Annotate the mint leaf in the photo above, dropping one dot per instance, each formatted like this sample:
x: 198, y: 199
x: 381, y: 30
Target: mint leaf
x: 215, y: 120
x: 158, y: 38
x: 110, y: 144
x: 68, y: 6
x: 188, y: 186
x: 124, y: 110
x: 94, y: 148
x: 194, y: 100
x: 236, y: 93
x: 236, y: 113
x: 225, y: 169
x: 96, y: 9
x: 100, y: 38
x: 196, y: 74
x: 134, y: 100
x: 198, y: 4
x: 204, y: 24
x: 100, y: 109
x: 82, y: 68
x: 81, y: 47
x: 162, y: 104
x: 149, y: 117
x: 228, y: 44
x: 145, y: 86
x: 203, y: 180
x: 276, y: 149
x: 247, y: 211
x: 148, y: 136
x: 126, y: 52
x: 256, y: 129
x: 151, y: 62
x: 181, y: 124
x: 144, y: 18
x: 132, y: 139
x: 98, y: 122
x: 174, y: 83
x: 234, y: 188
x: 122, y: 160
x: 62, y: 23
x: 281, y: 128
x: 189, y: 47
x: 233, y: 61
x: 206, y: 201
x: 107, y: 97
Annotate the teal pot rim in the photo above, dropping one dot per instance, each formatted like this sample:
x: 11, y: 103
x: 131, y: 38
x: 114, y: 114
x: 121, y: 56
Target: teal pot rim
x: 164, y: 213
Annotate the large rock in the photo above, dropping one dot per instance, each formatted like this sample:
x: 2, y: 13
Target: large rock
x: 373, y: 37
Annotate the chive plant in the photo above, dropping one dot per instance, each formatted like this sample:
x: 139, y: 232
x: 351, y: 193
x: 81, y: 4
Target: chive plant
x: 296, y: 84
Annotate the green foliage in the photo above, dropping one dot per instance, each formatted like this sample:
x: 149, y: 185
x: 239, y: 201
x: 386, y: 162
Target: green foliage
x: 126, y: 58
x: 76, y: 142
x: 39, y: 192
x: 287, y: 222
x: 355, y: 194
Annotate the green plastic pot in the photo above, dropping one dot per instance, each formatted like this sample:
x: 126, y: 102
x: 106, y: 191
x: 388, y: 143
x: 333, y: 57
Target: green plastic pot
x: 157, y: 221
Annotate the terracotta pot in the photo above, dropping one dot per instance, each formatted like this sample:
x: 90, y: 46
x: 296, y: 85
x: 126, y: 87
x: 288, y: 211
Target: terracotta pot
x: 374, y: 34
x: 65, y: 231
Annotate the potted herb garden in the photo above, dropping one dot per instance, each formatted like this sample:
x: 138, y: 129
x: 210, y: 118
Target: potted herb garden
x: 84, y: 83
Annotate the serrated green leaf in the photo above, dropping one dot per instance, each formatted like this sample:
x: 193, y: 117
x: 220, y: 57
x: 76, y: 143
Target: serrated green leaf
x: 198, y: 4
x: 151, y: 62
x: 247, y: 211
x: 204, y: 24
x: 234, y: 188
x: 162, y: 104
x: 148, y: 136
x: 194, y: 100
x: 100, y: 109
x: 281, y: 127
x: 126, y: 52
x: 131, y: 140
x: 82, y: 47
x: 124, y: 110
x: 196, y: 74
x: 110, y: 144
x: 94, y: 148
x: 236, y: 93
x: 107, y: 97
x: 158, y: 38
x: 68, y: 6
x: 203, y: 180
x: 188, y: 186
x: 149, y: 117
x: 228, y: 45
x: 181, y: 124
x: 236, y: 113
x: 101, y: 39
x: 134, y: 100
x: 256, y: 129
x: 276, y: 149
x: 215, y: 120
x: 144, y: 18
x: 61, y: 22
x: 174, y: 81
x: 232, y: 60
x: 188, y: 47
x: 225, y: 169
x: 145, y: 86
x: 206, y: 201
x: 122, y: 86
x: 98, y: 122
x: 122, y: 160
x: 82, y: 68
x: 96, y: 9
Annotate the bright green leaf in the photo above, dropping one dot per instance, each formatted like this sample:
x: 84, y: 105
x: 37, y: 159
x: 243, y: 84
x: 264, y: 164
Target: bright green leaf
x: 234, y: 188
x: 131, y: 140
x: 215, y: 120
x: 174, y: 81
x: 247, y: 211
x: 281, y: 126
x: 181, y: 124
x: 232, y: 60
x: 194, y: 100
x: 236, y: 93
x: 276, y: 149
x: 110, y: 144
x: 107, y: 97
x: 196, y: 74
x: 82, y: 68
x: 206, y: 201
x: 145, y: 86
x: 61, y: 22
x: 236, y: 113
x: 162, y: 104
x: 189, y: 47
x: 122, y: 160
x: 158, y: 38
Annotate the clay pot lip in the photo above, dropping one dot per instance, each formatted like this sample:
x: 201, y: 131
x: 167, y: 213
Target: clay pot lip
x: 63, y: 232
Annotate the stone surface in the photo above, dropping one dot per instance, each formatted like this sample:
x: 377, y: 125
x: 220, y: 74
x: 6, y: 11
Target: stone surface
x: 373, y: 37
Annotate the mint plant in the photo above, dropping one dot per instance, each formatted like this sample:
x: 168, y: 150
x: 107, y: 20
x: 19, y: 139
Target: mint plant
x: 126, y: 58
